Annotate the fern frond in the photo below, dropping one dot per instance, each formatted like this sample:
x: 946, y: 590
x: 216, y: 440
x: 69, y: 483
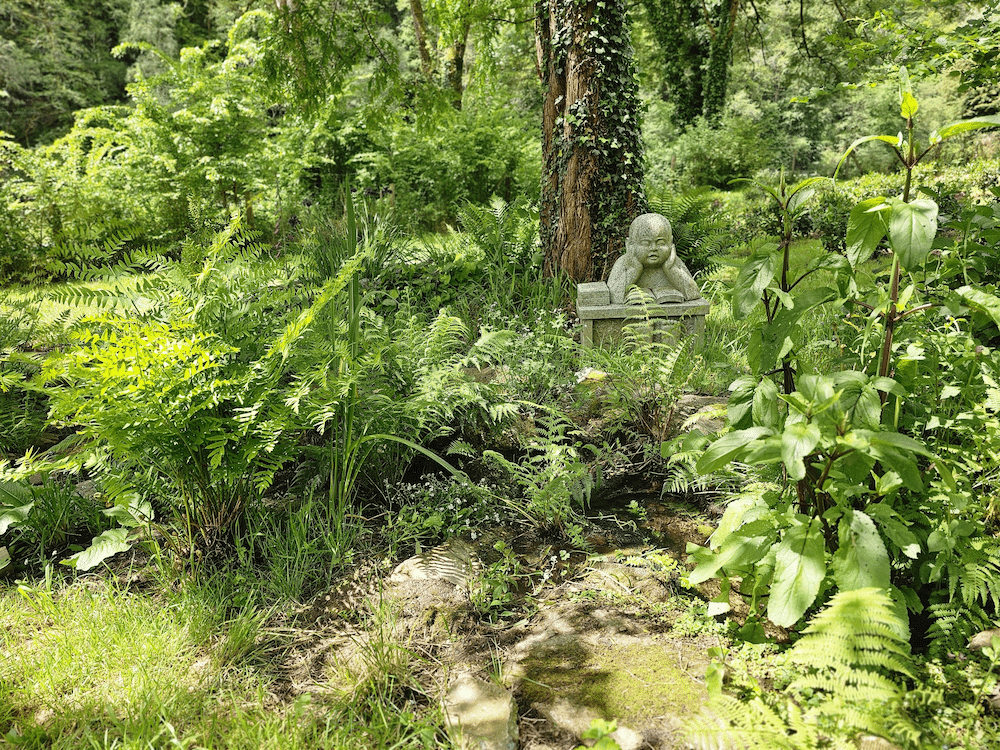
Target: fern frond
x: 854, y: 651
x: 859, y: 628
x: 954, y: 623
x: 731, y: 724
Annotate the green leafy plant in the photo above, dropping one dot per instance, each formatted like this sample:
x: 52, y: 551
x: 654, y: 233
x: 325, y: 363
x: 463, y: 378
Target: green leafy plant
x: 495, y: 589
x: 767, y: 278
x: 909, y: 224
x: 854, y: 501
x: 855, y: 656
x: 599, y: 734
x: 43, y: 521
x: 555, y: 481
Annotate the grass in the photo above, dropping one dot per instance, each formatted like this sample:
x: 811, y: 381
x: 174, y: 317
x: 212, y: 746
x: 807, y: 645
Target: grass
x: 93, y: 665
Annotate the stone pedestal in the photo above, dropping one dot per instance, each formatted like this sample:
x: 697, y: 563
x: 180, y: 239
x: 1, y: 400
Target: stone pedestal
x: 603, y: 321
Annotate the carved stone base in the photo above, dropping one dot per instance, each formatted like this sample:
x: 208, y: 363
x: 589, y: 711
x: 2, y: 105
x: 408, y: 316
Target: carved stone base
x: 603, y: 322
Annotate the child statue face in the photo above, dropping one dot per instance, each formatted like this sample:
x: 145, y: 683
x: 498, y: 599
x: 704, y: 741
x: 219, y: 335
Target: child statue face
x: 653, y: 247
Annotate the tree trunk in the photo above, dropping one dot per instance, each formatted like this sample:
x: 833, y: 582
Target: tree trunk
x: 591, y: 147
x: 420, y: 30
x: 716, y: 79
x: 456, y: 67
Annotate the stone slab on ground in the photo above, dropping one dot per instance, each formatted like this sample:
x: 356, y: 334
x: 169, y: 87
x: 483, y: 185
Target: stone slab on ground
x: 481, y: 715
x: 580, y: 662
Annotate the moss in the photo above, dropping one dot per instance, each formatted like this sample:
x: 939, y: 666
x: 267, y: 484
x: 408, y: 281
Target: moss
x: 632, y: 683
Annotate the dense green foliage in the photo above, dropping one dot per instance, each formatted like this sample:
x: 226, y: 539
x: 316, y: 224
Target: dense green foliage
x: 297, y: 320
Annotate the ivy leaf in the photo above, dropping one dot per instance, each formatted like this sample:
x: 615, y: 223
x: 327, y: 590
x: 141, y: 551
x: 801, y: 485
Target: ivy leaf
x: 865, y: 229
x: 800, y: 566
x: 861, y: 559
x: 912, y: 228
x: 101, y: 547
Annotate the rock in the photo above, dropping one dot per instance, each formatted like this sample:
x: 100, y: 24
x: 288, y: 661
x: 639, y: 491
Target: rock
x: 4, y: 560
x: 981, y: 640
x: 480, y: 714
x: 993, y: 699
x: 705, y: 413
x: 873, y: 742
x: 454, y: 562
x: 86, y: 488
x: 577, y: 719
x: 579, y: 662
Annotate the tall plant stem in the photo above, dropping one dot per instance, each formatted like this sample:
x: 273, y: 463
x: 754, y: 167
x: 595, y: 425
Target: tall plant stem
x: 892, y: 315
x: 787, y: 371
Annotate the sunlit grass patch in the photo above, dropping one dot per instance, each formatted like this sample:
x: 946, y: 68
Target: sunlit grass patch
x: 93, y: 666
x: 91, y: 654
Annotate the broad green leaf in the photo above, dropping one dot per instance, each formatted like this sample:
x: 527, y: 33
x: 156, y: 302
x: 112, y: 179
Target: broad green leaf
x: 15, y: 493
x: 800, y: 566
x: 865, y: 229
x: 777, y: 338
x: 895, y: 529
x: 904, y: 83
x: 739, y: 513
x: 861, y: 559
x: 802, y: 193
x: 797, y: 441
x: 912, y: 228
x: 13, y: 515
x: 900, y: 441
x: 737, y: 553
x: 964, y: 126
x: 896, y: 141
x: 946, y: 474
x: 765, y: 403
x: 751, y: 282
x: 740, y: 402
x: 131, y: 512
x: 828, y: 262
x: 909, y: 106
x: 726, y: 448
x: 888, y: 385
x: 982, y: 301
x: 101, y: 547
x: 719, y: 605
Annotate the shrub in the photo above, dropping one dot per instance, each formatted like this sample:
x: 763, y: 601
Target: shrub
x: 427, y: 170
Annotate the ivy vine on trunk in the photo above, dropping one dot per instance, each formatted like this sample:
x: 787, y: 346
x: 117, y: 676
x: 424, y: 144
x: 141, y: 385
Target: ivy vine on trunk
x: 592, y: 149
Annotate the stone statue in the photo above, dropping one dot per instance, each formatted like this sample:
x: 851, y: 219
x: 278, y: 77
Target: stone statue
x: 651, y: 263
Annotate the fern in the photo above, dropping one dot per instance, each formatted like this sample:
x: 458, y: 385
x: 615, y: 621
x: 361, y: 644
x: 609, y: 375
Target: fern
x: 699, y: 233
x: 731, y: 724
x: 856, y: 652
x: 954, y: 623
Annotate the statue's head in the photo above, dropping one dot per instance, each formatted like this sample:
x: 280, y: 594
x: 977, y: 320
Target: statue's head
x: 651, y: 240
